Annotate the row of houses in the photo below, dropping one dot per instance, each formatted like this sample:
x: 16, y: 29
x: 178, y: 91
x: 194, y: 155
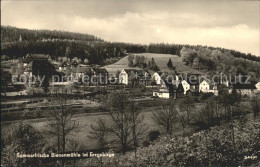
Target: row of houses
x: 166, y: 84
x: 172, y: 84
x: 194, y: 87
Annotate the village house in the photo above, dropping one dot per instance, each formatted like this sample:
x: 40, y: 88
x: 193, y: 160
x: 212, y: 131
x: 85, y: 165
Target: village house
x: 167, y: 90
x: 38, y: 65
x: 30, y: 57
x: 190, y: 86
x: 163, y: 91
x: 257, y: 86
x: 244, y: 89
x: 100, y: 76
x: 28, y: 69
x: 134, y: 77
x: 63, y: 66
x: 81, y: 71
x: 157, y: 77
x: 207, y: 86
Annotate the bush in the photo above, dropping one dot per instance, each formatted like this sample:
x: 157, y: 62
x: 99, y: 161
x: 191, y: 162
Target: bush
x: 154, y: 135
x: 217, y: 146
x: 205, y: 96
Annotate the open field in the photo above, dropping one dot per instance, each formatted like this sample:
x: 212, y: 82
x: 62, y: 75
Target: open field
x: 85, y: 121
x: 160, y: 59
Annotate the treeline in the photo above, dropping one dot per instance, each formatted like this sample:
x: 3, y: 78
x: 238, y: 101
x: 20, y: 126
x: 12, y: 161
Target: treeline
x: 175, y: 49
x: 219, y: 61
x: 96, y: 53
x: 61, y: 44
x: 12, y: 34
x: 97, y: 50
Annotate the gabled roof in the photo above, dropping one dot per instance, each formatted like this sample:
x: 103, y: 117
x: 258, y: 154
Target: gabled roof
x: 86, y: 70
x: 211, y: 83
x: 243, y: 86
x: 140, y: 73
x: 31, y: 57
x: 29, y: 65
x: 100, y: 70
x: 39, y: 56
x: 191, y: 82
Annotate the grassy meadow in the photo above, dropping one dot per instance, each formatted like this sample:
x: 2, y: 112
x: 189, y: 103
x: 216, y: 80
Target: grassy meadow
x: 160, y: 59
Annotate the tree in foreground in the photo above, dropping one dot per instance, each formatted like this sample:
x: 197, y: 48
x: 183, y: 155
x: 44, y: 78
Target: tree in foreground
x: 126, y: 126
x: 63, y: 123
x: 186, y: 106
x: 22, y: 139
x: 166, y: 117
x: 255, y: 106
x: 100, y: 132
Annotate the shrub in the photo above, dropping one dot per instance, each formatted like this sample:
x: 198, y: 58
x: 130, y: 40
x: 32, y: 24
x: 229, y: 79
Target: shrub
x: 217, y: 146
x: 154, y: 135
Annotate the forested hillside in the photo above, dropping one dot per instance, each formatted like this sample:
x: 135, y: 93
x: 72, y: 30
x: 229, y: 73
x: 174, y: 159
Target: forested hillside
x: 16, y: 42
x: 12, y: 34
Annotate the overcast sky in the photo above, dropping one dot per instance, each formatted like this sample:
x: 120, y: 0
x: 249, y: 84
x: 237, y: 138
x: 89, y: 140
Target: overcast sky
x: 229, y: 24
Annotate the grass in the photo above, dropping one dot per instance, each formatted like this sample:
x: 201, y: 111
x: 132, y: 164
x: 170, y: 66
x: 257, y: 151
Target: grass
x: 85, y: 121
x: 160, y: 59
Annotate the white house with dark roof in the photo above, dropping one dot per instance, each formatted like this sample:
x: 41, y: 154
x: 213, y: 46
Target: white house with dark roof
x: 30, y: 57
x: 163, y: 91
x: 186, y: 86
x: 128, y: 76
x: 207, y: 86
x: 189, y: 86
x: 157, y: 78
x: 257, y: 86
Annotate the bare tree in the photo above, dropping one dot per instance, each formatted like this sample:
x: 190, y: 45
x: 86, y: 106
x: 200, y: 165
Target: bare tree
x: 138, y: 127
x: 184, y: 120
x: 205, y: 115
x: 126, y: 122
x: 121, y: 125
x: 187, y: 105
x: 62, y: 123
x: 74, y: 145
x: 100, y: 133
x: 255, y: 106
x: 166, y: 117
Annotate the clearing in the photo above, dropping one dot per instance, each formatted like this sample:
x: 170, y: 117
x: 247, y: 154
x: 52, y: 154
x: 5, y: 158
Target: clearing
x: 160, y: 59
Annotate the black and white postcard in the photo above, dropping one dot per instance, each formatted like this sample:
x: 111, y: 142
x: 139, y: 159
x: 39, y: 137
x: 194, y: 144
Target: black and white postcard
x: 130, y: 83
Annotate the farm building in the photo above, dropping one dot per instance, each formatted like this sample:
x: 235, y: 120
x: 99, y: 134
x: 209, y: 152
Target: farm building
x: 244, y: 89
x: 208, y: 86
x: 134, y: 77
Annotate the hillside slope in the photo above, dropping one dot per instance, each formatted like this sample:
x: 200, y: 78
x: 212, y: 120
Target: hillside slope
x: 160, y: 59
